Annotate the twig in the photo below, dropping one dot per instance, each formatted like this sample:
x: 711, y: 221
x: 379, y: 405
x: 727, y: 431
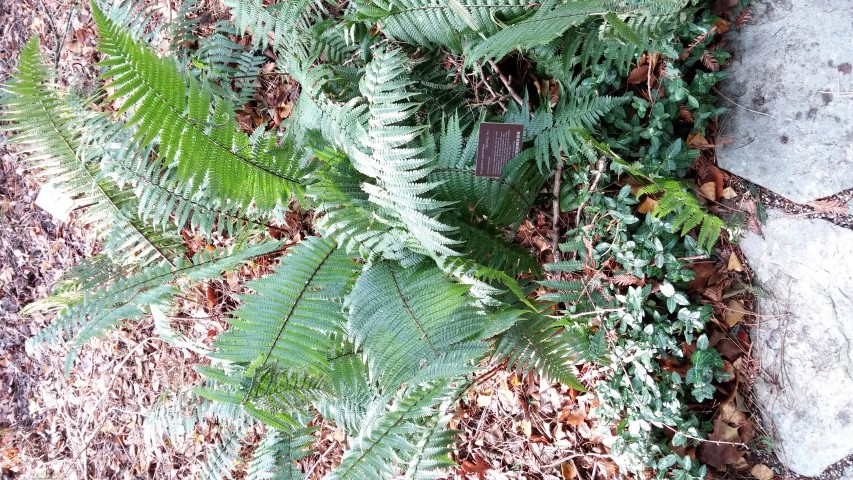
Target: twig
x: 555, y: 211
x: 591, y: 189
x: 595, y: 312
x: 508, y: 86
x: 57, y: 42
x: 741, y: 106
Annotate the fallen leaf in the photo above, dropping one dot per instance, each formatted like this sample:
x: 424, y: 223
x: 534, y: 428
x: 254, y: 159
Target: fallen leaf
x: 526, y: 428
x: 480, y: 467
x: 729, y: 193
x: 647, y: 206
x: 569, y: 471
x: 710, y: 61
x: 484, y: 400
x: 720, y: 450
x: 761, y: 472
x: 697, y: 140
x: 573, y: 416
x: 829, y: 207
x: 685, y: 114
x: 735, y: 264
x: 639, y: 75
x: 709, y: 190
x: 735, y: 311
x: 722, y: 26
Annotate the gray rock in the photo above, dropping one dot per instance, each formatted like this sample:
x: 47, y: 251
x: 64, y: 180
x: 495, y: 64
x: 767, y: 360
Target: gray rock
x: 804, y: 338
x: 791, y: 65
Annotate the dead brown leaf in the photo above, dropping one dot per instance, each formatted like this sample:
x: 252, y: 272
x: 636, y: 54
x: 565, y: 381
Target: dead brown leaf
x: 761, y: 472
x: 709, y: 190
x: 735, y: 265
x: 735, y: 311
x: 829, y: 207
x: 639, y: 75
x: 647, y: 206
x: 568, y: 469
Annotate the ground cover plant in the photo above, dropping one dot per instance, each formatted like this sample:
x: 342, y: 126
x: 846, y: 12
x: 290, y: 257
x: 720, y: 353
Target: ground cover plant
x: 381, y: 322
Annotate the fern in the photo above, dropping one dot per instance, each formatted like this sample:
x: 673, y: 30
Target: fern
x: 688, y: 214
x: 205, y: 141
x: 400, y: 435
x: 547, y: 24
x: 535, y: 343
x: 439, y: 22
x: 379, y: 325
x: 128, y: 298
x: 294, y: 316
x: 49, y: 131
x: 413, y: 324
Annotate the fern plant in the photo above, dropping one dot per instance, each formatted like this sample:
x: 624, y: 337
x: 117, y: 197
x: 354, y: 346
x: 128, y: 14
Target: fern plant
x: 379, y: 324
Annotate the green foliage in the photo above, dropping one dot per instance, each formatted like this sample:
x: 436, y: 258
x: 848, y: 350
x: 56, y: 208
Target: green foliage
x: 295, y: 313
x: 194, y: 128
x: 688, y: 213
x: 379, y: 324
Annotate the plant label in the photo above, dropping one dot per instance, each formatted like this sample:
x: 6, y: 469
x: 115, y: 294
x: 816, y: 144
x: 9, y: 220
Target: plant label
x: 496, y: 145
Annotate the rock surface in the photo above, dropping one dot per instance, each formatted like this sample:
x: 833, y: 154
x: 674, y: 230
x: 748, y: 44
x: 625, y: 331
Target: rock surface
x: 804, y: 338
x: 791, y: 65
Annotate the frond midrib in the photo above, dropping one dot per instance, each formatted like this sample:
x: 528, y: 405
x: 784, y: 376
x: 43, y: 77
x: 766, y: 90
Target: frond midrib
x: 295, y: 303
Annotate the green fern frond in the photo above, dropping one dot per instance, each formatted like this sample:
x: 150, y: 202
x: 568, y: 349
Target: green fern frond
x: 406, y: 434
x: 284, y: 25
x: 489, y: 247
x: 346, y: 214
x: 194, y: 128
x: 128, y: 298
x: 48, y: 130
x: 579, y: 110
x: 375, y: 132
x: 545, y: 25
x: 272, y: 395
x: 351, y: 393
x: 504, y: 200
x: 276, y: 455
x: 535, y: 344
x: 163, y: 199
x: 441, y: 22
x: 689, y: 214
x: 230, y: 67
x: 295, y: 313
x: 408, y: 320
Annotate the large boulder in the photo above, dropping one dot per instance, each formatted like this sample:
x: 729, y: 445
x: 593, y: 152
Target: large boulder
x: 789, y: 92
x: 804, y: 338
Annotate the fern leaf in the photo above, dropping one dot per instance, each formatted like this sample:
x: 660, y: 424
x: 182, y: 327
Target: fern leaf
x: 128, y: 298
x: 206, y: 142
x: 394, y: 435
x: 276, y: 455
x: 439, y: 22
x: 291, y: 319
x: 406, y: 320
x: 688, y: 212
x: 547, y: 24
x: 534, y: 344
x: 49, y: 131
